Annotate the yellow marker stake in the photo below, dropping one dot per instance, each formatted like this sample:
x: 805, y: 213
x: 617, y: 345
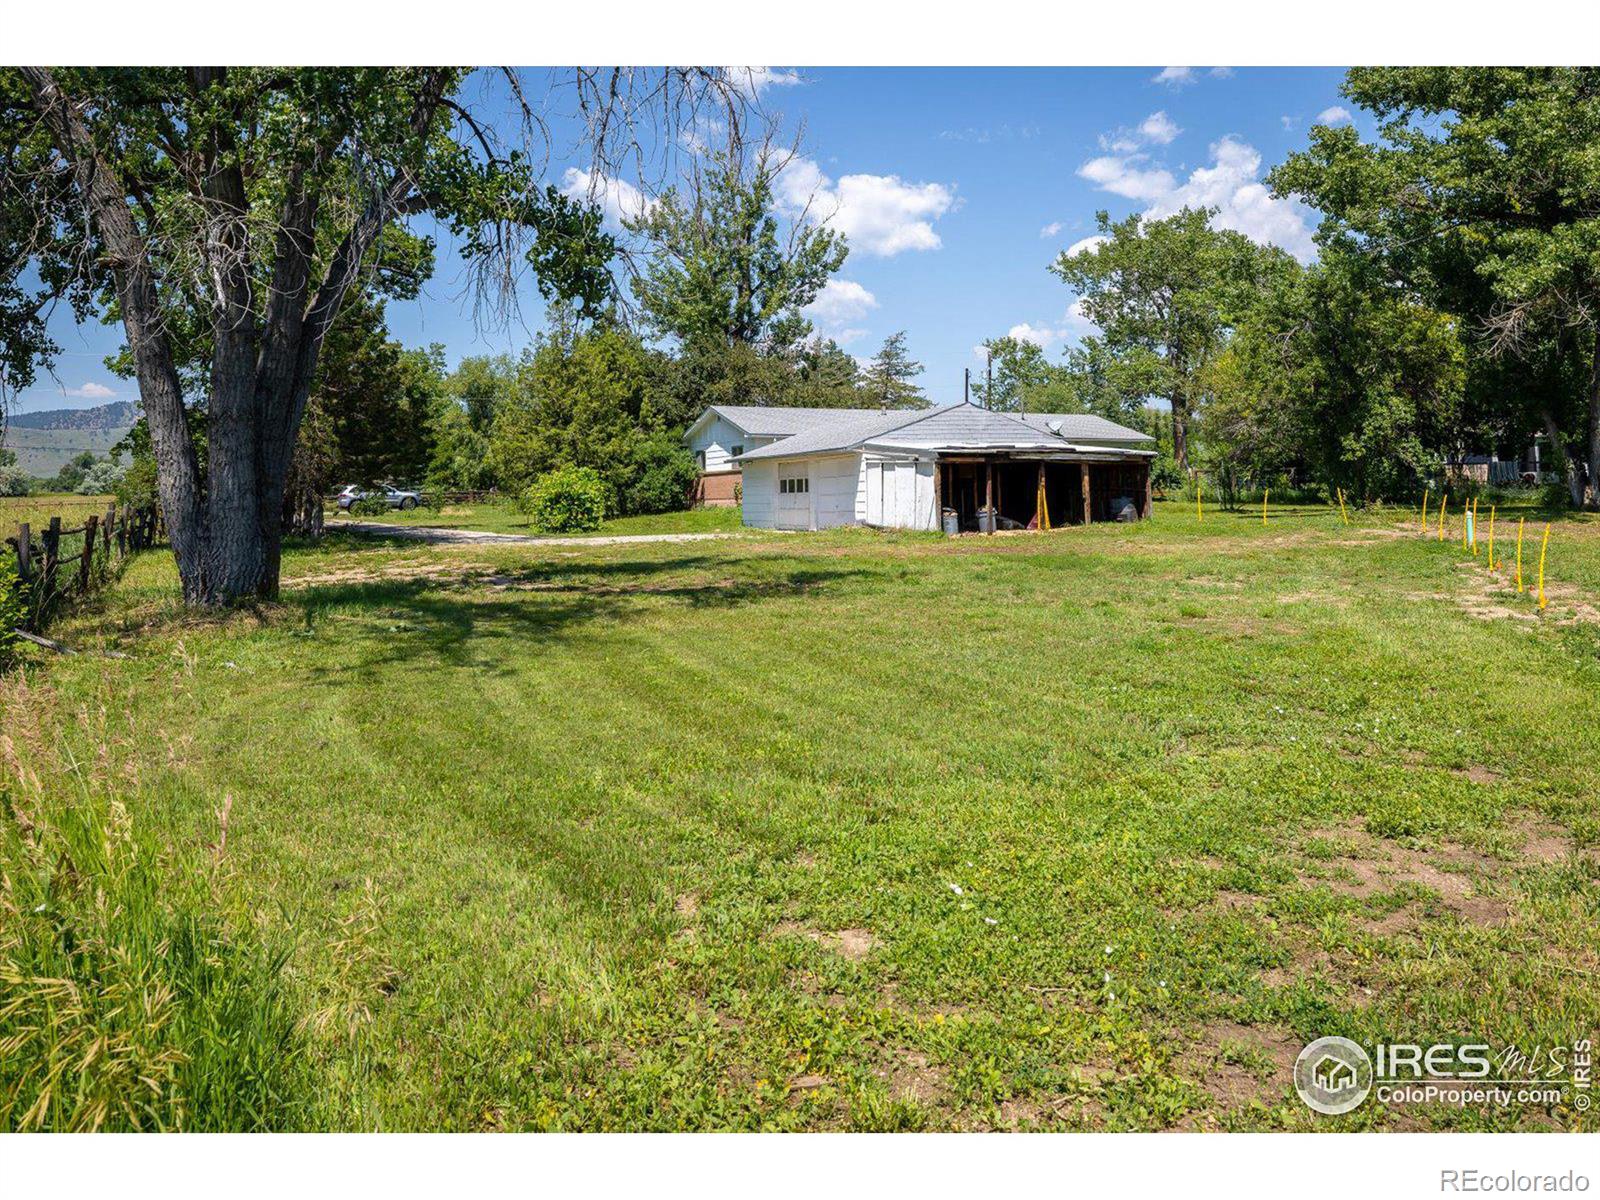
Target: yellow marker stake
x: 1520, y: 520
x: 1491, y: 537
x: 1472, y: 527
x: 1544, y: 545
x: 1443, y: 504
x: 1264, y: 496
x: 1199, y: 513
x: 1424, y: 514
x: 1342, y: 517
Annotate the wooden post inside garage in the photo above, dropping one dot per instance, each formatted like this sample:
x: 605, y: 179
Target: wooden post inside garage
x: 988, y: 490
x: 1088, y: 514
x: 1146, y: 513
x: 938, y: 495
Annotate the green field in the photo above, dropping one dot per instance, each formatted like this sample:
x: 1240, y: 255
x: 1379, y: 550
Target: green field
x: 1085, y: 830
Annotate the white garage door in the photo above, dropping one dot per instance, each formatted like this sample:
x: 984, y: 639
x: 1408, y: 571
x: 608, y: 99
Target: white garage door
x: 794, y: 498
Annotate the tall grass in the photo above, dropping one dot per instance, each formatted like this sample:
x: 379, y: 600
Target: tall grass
x: 125, y: 1002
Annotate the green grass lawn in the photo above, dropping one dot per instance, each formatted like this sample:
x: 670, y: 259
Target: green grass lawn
x: 505, y: 518
x: 1087, y: 830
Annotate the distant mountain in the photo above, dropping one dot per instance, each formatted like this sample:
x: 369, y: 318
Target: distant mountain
x: 119, y: 414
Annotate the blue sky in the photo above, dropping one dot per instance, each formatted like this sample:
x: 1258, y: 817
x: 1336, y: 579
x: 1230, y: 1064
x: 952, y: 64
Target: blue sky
x: 957, y: 187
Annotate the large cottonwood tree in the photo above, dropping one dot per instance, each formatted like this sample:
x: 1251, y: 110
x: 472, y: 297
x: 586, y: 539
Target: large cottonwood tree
x: 225, y: 215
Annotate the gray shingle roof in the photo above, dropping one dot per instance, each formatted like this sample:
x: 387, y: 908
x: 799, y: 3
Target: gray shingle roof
x: 1084, y: 427
x: 834, y: 429
x: 764, y: 421
x: 850, y: 428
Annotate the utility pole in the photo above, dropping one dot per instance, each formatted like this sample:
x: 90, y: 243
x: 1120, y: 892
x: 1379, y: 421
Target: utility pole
x: 988, y: 378
x: 966, y: 385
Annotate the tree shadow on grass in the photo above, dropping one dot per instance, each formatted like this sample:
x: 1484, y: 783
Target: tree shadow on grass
x: 455, y: 620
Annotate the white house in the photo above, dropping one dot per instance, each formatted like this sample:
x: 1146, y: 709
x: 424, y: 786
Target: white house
x: 725, y: 431
x: 959, y: 466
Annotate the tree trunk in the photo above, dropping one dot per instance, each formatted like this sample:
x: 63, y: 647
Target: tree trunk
x: 1591, y: 485
x: 1180, y: 431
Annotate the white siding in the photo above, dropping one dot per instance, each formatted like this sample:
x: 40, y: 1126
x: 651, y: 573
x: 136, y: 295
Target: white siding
x: 760, y: 493
x: 844, y: 489
x: 897, y: 493
x: 717, y: 439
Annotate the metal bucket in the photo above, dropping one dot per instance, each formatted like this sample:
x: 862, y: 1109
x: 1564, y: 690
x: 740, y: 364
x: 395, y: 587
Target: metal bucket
x: 952, y: 522
x: 985, y: 521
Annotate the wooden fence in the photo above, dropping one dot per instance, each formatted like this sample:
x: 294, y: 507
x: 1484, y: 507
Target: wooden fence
x: 51, y: 573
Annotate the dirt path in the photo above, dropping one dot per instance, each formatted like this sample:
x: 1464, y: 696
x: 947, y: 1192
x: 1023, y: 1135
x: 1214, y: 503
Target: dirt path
x: 440, y: 535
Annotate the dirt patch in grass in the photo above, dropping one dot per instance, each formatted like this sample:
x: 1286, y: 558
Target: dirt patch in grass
x: 1542, y: 841
x: 1238, y: 1064
x: 468, y: 573
x: 909, y: 1075
x: 1479, y: 774
x: 854, y: 944
x: 687, y: 906
x: 1368, y: 866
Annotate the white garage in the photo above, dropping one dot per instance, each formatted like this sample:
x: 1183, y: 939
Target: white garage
x: 961, y: 466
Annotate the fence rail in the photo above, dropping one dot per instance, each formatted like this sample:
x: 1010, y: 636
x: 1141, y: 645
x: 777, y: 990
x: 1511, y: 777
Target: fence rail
x: 51, y: 575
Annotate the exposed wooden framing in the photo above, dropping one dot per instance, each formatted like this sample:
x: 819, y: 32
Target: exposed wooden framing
x: 1042, y: 506
x: 938, y: 494
x: 988, y: 490
x: 1146, y: 513
x: 1088, y: 511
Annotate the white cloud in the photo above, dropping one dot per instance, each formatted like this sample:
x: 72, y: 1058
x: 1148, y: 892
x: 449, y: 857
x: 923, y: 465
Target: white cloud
x: 89, y: 391
x: 1231, y: 184
x: 880, y: 214
x: 617, y: 198
x: 1334, y: 115
x: 1093, y: 242
x: 1221, y: 72
x: 1126, y: 177
x: 1159, y: 128
x: 1176, y: 77
x: 1050, y: 230
x: 1286, y: 121
x: 840, y: 302
x: 1047, y: 335
x: 750, y: 82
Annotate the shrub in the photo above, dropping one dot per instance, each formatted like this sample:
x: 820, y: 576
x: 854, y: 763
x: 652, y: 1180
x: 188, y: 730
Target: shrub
x: 137, y: 487
x: 567, y: 500
x: 370, y: 506
x: 661, y: 474
x: 13, y: 606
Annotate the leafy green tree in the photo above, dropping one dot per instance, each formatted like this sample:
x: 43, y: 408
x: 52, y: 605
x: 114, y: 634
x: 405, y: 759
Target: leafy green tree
x: 1482, y: 196
x: 1170, y: 289
x: 1017, y: 377
x: 582, y: 400
x: 1371, y: 377
x: 72, y: 472
x: 479, y: 384
x: 460, y: 460
x: 224, y: 216
x: 828, y: 376
x: 1112, y: 385
x: 721, y: 268
x: 887, y: 380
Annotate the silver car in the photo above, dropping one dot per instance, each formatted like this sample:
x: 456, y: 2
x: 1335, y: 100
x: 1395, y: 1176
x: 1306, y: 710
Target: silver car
x: 394, y: 497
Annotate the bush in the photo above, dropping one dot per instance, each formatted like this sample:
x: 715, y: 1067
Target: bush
x: 14, y: 481
x: 661, y: 474
x: 568, y: 500
x: 137, y: 487
x: 13, y: 606
x: 101, y: 479
x: 370, y: 506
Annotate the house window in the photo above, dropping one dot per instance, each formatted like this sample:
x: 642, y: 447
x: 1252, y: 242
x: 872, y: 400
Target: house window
x: 700, y: 459
x: 735, y: 452
x: 794, y: 487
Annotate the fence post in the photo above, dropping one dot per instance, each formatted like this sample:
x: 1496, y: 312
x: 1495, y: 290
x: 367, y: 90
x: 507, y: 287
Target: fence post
x: 105, y: 530
x: 24, y: 551
x: 52, y: 556
x: 86, y: 559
